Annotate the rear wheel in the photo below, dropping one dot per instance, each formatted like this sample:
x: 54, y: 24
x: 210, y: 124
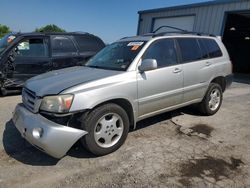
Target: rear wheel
x: 107, y: 128
x: 212, y: 100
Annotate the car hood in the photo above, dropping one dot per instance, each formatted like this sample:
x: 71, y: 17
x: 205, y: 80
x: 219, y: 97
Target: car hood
x: 54, y: 82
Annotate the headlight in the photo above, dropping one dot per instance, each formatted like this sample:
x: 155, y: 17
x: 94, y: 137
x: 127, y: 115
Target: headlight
x: 58, y: 104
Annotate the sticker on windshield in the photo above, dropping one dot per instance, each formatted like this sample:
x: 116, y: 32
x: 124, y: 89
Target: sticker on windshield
x: 135, y: 43
x: 134, y: 48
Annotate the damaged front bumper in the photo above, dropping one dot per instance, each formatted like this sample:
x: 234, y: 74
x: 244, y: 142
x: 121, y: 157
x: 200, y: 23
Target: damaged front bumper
x: 49, y: 137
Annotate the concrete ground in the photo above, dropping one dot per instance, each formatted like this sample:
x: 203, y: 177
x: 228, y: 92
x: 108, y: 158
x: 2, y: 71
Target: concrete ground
x: 175, y: 149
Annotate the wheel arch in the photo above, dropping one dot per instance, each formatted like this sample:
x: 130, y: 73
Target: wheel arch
x: 126, y: 105
x: 221, y: 80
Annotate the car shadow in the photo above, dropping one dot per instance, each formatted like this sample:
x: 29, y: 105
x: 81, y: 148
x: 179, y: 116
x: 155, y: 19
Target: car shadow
x: 190, y: 110
x: 11, y: 93
x: 155, y: 120
x: 18, y: 148
x: 77, y: 151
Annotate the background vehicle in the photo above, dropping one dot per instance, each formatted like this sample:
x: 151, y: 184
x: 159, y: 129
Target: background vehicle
x: 129, y: 80
x: 24, y: 55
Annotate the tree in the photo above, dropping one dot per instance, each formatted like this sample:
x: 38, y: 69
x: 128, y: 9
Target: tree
x: 4, y: 30
x: 50, y: 28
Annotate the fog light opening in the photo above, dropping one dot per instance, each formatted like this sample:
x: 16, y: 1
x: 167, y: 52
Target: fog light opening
x: 37, y: 133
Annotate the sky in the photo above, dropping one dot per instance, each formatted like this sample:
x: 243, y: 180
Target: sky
x: 108, y: 19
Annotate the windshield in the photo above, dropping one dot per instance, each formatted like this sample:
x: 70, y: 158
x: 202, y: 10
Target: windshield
x: 5, y: 41
x: 117, y: 56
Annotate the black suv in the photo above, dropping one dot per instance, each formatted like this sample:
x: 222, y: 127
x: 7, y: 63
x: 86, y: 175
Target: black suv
x: 24, y: 55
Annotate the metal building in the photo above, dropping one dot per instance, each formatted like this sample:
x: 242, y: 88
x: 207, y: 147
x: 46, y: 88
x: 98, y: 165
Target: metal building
x: 229, y: 19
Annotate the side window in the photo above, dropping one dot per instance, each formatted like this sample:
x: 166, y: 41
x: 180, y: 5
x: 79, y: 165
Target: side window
x: 203, y: 48
x: 35, y: 47
x: 62, y: 45
x: 163, y: 51
x: 213, y: 48
x: 88, y: 43
x: 190, y: 49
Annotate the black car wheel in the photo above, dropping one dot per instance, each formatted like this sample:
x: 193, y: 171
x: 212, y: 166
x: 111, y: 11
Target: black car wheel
x: 212, y: 100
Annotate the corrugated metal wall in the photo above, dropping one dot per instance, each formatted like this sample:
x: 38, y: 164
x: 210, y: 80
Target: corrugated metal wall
x: 208, y: 18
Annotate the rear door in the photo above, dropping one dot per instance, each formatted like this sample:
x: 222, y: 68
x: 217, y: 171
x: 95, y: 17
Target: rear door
x: 196, y: 67
x: 163, y: 87
x: 32, y: 58
x: 64, y: 52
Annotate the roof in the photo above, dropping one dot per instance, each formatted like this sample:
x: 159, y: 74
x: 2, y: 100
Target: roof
x: 215, y: 2
x: 136, y: 38
x: 149, y: 36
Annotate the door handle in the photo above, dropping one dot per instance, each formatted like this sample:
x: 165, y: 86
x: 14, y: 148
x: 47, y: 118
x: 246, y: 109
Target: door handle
x: 177, y: 70
x: 208, y: 64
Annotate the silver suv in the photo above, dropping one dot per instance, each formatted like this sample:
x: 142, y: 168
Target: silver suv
x: 129, y: 80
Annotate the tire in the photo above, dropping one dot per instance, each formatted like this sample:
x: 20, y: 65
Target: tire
x: 4, y: 92
x: 210, y: 105
x: 107, y: 128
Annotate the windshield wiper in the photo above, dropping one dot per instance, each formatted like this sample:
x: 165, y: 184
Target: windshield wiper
x: 94, y: 66
x: 105, y: 68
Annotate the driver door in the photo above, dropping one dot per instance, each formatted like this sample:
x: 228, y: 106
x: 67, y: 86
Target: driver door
x: 32, y: 58
x: 163, y: 87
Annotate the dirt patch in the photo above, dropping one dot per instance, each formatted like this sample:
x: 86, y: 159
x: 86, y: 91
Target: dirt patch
x: 140, y: 135
x: 5, y: 159
x: 185, y: 182
x: 202, y: 129
x: 214, y: 168
x: 235, y: 163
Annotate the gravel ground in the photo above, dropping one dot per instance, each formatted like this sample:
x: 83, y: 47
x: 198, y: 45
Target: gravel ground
x: 176, y: 149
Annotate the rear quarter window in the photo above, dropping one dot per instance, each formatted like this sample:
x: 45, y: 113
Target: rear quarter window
x: 212, y: 47
x: 89, y: 44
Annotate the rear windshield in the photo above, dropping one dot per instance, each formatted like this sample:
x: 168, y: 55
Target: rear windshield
x: 117, y: 56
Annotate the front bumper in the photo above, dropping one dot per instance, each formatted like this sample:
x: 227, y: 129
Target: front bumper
x: 55, y: 139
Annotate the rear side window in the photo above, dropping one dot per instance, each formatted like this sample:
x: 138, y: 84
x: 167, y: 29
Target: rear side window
x: 203, y: 48
x: 163, y: 51
x: 190, y: 49
x: 89, y: 43
x: 62, y: 45
x: 213, y: 48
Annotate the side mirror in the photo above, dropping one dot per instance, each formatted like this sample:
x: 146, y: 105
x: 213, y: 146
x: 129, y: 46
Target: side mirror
x: 147, y: 65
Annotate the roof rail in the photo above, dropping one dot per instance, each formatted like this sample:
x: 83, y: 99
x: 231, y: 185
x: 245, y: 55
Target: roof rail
x: 179, y: 31
x: 79, y: 32
x: 170, y: 27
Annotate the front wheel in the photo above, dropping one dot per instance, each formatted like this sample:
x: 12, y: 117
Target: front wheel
x: 107, y: 128
x: 212, y: 100
x: 3, y: 92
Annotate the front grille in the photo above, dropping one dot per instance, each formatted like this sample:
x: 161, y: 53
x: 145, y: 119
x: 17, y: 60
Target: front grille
x: 30, y: 100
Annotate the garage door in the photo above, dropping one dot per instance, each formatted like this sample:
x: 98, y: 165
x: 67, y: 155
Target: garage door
x: 183, y: 22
